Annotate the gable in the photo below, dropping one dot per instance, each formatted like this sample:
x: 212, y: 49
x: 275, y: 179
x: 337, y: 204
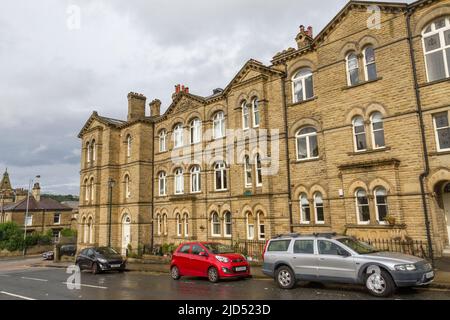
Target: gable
x: 184, y: 102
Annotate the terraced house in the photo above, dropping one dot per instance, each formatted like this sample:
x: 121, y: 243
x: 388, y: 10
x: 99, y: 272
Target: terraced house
x: 353, y: 124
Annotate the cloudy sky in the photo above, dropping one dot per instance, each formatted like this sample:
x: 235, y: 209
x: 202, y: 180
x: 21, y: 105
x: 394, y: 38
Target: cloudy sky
x: 54, y: 72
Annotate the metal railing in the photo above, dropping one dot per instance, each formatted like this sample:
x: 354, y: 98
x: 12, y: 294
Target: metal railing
x: 252, y: 249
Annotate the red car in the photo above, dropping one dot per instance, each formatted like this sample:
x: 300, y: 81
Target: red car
x: 214, y: 261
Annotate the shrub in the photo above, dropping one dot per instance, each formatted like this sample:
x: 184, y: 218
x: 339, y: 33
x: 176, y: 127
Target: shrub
x: 68, y: 233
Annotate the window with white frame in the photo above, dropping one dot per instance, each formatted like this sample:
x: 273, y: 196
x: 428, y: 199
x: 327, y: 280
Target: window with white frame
x: 436, y: 45
x: 362, y: 207
x: 158, y: 224
x: 258, y: 170
x: 195, y: 179
x: 250, y: 226
x: 245, y: 116
x: 305, y: 210
x: 261, y: 226
x: 370, y: 67
x: 186, y: 224
x: 196, y: 131
x: 178, y: 139
x: 219, y: 125
x: 318, y: 208
x: 162, y: 182
x: 57, y: 218
x: 88, y: 152
x: 248, y: 172
x: 179, y: 226
x: 29, y: 220
x: 302, y: 85
x: 352, y: 69
x: 127, y: 187
x: 220, y: 176
x: 377, y: 125
x: 215, y: 224
x: 227, y: 224
x: 359, y: 133
x: 56, y: 235
x: 164, y: 219
x: 179, y: 181
x: 128, y: 146
x: 381, y: 204
x: 94, y: 151
x: 256, y: 113
x: 442, y: 131
x: 163, y: 141
x: 307, y: 146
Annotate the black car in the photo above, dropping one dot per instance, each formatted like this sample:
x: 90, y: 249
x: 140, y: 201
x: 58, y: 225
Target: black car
x: 68, y: 250
x: 100, y: 259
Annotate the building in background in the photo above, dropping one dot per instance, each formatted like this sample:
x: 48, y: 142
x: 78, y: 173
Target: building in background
x: 361, y: 113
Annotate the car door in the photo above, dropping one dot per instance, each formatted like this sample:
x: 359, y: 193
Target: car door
x: 183, y: 260
x: 82, y: 258
x: 305, y: 260
x: 90, y: 258
x: 199, y: 263
x: 335, y: 262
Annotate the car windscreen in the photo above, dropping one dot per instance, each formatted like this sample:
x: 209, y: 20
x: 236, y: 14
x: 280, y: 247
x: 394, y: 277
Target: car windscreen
x: 358, y: 246
x: 105, y: 251
x: 217, y: 248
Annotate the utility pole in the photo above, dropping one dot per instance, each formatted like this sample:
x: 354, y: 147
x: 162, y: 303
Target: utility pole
x: 26, y: 218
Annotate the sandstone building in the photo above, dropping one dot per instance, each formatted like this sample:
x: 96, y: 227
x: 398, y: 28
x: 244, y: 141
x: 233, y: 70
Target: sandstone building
x: 357, y: 123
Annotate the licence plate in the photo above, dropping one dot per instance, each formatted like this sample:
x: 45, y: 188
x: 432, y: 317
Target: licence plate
x: 115, y: 266
x: 241, y: 269
x: 429, y: 275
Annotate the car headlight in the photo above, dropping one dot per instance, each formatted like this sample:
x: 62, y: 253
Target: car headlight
x: 405, y: 267
x: 222, y: 259
x: 101, y: 260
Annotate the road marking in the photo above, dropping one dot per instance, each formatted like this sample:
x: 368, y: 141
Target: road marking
x: 16, y: 295
x: 4, y: 275
x: 85, y: 285
x: 34, y: 279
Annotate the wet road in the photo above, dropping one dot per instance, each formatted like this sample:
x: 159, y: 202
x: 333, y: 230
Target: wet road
x: 50, y: 284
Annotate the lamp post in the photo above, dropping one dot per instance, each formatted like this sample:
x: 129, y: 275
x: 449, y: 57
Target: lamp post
x: 26, y: 217
x: 111, y: 184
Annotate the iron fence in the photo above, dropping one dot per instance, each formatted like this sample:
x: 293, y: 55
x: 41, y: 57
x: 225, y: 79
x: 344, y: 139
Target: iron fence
x: 252, y: 249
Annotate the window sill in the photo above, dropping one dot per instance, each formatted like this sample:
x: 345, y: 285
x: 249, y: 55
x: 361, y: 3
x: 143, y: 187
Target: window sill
x: 220, y: 191
x: 439, y: 153
x: 375, y: 226
x: 294, y: 104
x: 307, y: 160
x: 370, y: 151
x: 321, y: 225
x: 361, y: 84
x: 434, y: 82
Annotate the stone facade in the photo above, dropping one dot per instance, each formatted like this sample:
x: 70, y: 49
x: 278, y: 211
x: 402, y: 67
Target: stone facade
x: 363, y: 179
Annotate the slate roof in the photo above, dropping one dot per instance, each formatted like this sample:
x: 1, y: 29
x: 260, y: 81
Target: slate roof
x: 45, y: 204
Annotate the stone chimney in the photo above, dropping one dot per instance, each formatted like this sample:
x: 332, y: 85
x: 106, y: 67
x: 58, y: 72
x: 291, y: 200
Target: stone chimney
x: 136, y: 106
x: 155, y: 108
x: 37, y: 191
x: 304, y: 37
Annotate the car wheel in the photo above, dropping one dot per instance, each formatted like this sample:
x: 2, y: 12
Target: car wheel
x: 285, y: 278
x: 95, y: 268
x: 213, y: 275
x: 175, y: 273
x: 380, y: 284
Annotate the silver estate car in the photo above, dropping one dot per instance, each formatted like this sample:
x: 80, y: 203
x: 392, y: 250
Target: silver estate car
x: 333, y: 258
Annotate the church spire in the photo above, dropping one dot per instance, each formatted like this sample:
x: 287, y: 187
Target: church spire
x: 5, y: 184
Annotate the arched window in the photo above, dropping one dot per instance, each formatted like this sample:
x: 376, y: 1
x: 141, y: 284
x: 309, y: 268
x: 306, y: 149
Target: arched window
x: 164, y: 219
x: 196, y: 131
x: 219, y: 125
x: 436, y: 45
x: 318, y: 208
x: 88, y: 152
x: 376, y: 121
x: 362, y: 205
x: 381, y: 204
x: 352, y: 69
x: 179, y: 181
x: 256, y: 113
x: 127, y: 187
x: 305, y: 211
x: 307, y: 146
x: 261, y: 226
x: 92, y: 187
x: 370, y: 67
x: 128, y: 146
x: 245, y: 116
x: 250, y: 226
x: 220, y: 176
x: 163, y: 141
x: 359, y: 133
x: 91, y: 230
x: 87, y: 192
x: 442, y: 131
x: 94, y: 151
x: 186, y: 224
x: 85, y: 230
x: 302, y: 85
x: 158, y: 224
x: 195, y: 179
x: 248, y: 172
x: 215, y: 224
x: 258, y: 170
x: 227, y: 230
x: 178, y: 139
x: 162, y: 182
x: 179, y: 225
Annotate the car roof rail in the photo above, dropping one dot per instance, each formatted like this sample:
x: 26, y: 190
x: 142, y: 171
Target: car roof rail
x: 288, y: 235
x: 325, y: 234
